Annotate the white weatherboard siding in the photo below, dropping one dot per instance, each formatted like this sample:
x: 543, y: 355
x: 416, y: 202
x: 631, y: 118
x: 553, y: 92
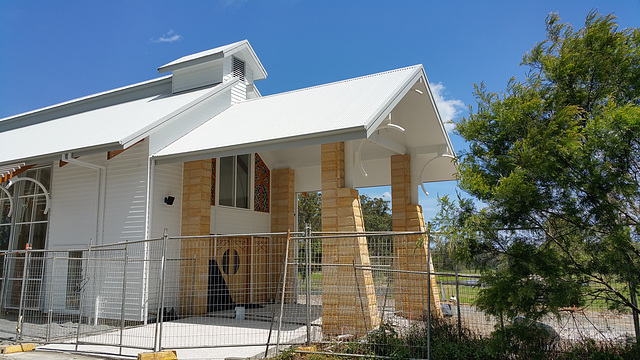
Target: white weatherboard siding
x: 72, y: 222
x: 74, y: 204
x: 238, y: 92
x: 126, y: 195
x: 125, y: 220
x: 192, y: 77
x: 228, y: 220
x: 167, y: 181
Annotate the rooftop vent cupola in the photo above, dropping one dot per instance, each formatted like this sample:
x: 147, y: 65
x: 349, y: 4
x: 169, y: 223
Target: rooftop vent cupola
x: 233, y: 62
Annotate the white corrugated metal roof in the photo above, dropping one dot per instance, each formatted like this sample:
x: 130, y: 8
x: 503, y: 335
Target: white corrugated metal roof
x: 113, y: 124
x: 346, y: 106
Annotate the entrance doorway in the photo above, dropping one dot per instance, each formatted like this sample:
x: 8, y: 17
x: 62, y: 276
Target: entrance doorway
x: 232, y: 256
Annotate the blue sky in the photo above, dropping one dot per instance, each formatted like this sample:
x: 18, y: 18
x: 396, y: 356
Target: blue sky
x: 54, y: 51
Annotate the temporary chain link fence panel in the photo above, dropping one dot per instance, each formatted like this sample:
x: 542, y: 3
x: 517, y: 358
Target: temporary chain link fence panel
x: 262, y: 290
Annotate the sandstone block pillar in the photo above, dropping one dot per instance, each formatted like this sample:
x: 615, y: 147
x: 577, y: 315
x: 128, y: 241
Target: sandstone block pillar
x: 411, y: 289
x: 282, y: 220
x: 348, y: 294
x: 196, y: 220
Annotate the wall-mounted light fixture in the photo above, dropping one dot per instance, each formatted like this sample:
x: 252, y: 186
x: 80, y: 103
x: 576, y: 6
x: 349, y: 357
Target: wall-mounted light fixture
x: 169, y: 200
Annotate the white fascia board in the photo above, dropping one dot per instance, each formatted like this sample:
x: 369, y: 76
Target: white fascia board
x: 386, y: 108
x: 146, y: 131
x: 354, y: 133
x: 442, y: 128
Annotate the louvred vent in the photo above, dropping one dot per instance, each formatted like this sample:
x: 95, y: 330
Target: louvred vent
x: 238, y: 68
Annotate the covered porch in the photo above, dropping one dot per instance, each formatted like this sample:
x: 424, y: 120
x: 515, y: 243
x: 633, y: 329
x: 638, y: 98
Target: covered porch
x: 379, y: 130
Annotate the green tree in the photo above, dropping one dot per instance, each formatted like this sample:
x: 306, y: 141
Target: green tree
x: 376, y: 213
x: 309, y: 210
x: 556, y: 158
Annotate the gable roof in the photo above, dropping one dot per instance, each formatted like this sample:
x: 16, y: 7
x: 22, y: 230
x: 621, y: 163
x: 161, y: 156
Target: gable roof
x: 108, y: 121
x: 339, y: 111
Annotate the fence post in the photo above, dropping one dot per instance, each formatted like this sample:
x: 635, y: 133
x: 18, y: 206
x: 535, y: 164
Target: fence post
x: 50, y: 310
x: 82, y: 292
x: 634, y: 301
x: 281, y: 281
x: 364, y: 316
x: 160, y: 317
x: 25, y: 277
x: 193, y: 283
x: 428, y: 291
x: 307, y: 249
x: 284, y: 286
x: 6, y: 261
x: 124, y: 293
x: 458, y: 303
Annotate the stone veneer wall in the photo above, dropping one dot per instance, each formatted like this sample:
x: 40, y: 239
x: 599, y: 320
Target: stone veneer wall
x: 411, y: 289
x: 196, y: 220
x: 348, y: 296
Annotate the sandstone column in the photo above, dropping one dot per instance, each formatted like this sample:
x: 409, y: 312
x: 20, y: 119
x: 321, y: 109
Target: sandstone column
x: 411, y: 289
x: 348, y: 296
x: 282, y: 220
x: 196, y: 220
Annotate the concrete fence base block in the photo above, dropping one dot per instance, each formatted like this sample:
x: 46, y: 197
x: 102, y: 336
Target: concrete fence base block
x: 311, y: 348
x: 162, y: 355
x: 9, y: 349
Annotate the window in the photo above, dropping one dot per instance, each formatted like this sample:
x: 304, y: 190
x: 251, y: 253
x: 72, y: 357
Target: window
x: 26, y: 226
x: 261, y: 186
x: 234, y: 181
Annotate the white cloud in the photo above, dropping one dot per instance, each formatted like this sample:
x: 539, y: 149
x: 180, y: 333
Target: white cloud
x: 169, y: 37
x: 449, y: 109
x: 233, y: 3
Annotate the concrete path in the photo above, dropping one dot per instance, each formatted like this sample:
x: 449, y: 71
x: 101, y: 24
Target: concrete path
x: 219, y: 336
x: 48, y: 355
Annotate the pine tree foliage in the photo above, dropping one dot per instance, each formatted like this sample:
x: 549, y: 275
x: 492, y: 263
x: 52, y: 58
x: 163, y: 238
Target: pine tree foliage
x: 556, y: 158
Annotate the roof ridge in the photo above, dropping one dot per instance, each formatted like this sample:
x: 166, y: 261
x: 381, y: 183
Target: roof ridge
x: 335, y: 82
